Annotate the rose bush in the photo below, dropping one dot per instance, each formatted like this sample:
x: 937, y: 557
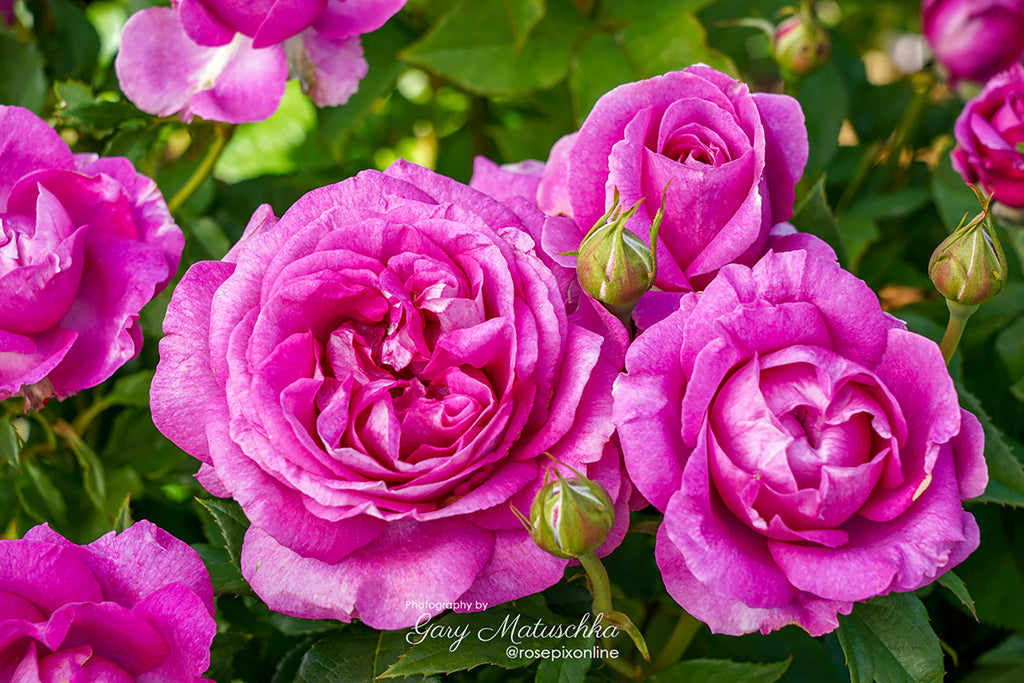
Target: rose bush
x: 85, y: 242
x: 989, y: 132
x: 733, y: 159
x: 806, y: 449
x: 136, y: 606
x: 226, y: 60
x: 376, y: 378
x: 974, y: 39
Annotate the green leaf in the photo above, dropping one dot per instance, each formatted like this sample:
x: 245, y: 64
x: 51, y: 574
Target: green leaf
x: 720, y: 671
x: 224, y: 574
x: 10, y: 444
x: 92, y: 469
x: 355, y: 654
x: 22, y: 81
x: 825, y: 102
x: 665, y: 36
x: 38, y: 496
x: 474, y: 45
x: 599, y: 66
x: 524, y: 15
x: 123, y: 518
x: 231, y: 524
x: 1005, y: 473
x: 956, y: 586
x: 888, y: 639
x: 66, y: 37
x: 813, y: 215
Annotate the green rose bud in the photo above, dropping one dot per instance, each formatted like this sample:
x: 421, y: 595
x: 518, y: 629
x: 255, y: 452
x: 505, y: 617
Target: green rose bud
x: 969, y: 266
x: 801, y: 44
x: 570, y: 517
x: 613, y: 265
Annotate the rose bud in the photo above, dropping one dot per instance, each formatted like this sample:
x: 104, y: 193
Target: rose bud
x: 969, y: 266
x: 801, y: 45
x: 613, y: 264
x: 570, y: 517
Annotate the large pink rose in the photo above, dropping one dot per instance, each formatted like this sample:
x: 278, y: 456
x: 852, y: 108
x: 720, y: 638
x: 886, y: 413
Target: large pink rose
x: 974, y: 39
x: 989, y: 132
x: 733, y: 159
x: 376, y: 378
x: 228, y: 60
x: 85, y: 243
x: 806, y: 449
x: 136, y: 607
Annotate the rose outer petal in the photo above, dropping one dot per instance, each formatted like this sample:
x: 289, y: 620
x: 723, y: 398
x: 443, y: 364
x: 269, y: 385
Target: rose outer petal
x: 164, y: 72
x: 27, y: 144
x: 435, y: 562
x: 330, y: 70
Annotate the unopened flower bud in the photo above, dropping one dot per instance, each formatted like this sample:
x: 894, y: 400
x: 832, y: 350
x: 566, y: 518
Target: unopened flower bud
x: 969, y: 266
x: 801, y: 44
x: 570, y: 516
x: 613, y: 265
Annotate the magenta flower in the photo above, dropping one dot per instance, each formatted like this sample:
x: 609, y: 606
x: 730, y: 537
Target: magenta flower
x: 376, y: 378
x: 807, y: 450
x: 733, y: 160
x: 227, y: 60
x: 85, y: 242
x: 137, y: 606
x: 974, y: 39
x: 989, y: 134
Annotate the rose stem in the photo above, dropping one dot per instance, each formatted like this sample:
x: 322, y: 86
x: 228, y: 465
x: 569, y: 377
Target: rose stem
x: 601, y: 588
x: 685, y: 629
x: 958, y: 315
x: 222, y: 134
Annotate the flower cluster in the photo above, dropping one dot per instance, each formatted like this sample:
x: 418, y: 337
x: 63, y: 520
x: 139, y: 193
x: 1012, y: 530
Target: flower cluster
x: 229, y: 60
x: 385, y: 374
x: 381, y: 375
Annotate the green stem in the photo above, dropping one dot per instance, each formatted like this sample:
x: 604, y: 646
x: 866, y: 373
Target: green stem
x: 958, y: 315
x: 926, y: 79
x: 864, y: 166
x: 222, y: 135
x: 599, y: 583
x: 678, y: 641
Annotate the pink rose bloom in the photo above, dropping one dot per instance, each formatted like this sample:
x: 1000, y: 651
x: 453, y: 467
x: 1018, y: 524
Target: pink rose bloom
x: 135, y: 607
x: 988, y: 132
x: 85, y: 243
x: 733, y: 159
x: 377, y: 377
x: 7, y: 10
x: 229, y: 60
x: 806, y: 450
x: 974, y: 39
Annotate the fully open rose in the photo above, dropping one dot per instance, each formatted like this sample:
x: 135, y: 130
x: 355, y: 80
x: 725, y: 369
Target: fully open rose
x: 376, y: 378
x: 85, y: 243
x: 806, y: 449
x: 132, y: 607
x: 727, y: 161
